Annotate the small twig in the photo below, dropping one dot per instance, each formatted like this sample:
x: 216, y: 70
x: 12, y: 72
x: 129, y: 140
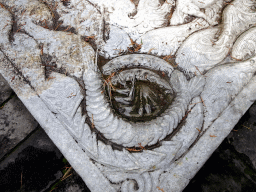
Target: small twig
x: 161, y: 189
x: 65, y: 175
x: 235, y: 58
x: 13, y: 78
x: 42, y: 49
x: 9, y: 9
x: 196, y: 103
x: 67, y: 28
x: 213, y: 42
x: 58, y: 26
x: 71, y: 95
x: 5, y: 26
x: 140, y: 146
x: 202, y: 101
x: 87, y: 38
x: 186, y: 114
x: 166, y: 58
x: 49, y: 8
x: 136, y: 46
x: 2, y: 6
x: 78, y: 27
x: 56, y: 5
x: 120, y: 51
x: 150, y: 50
x: 228, y: 3
x: 134, y: 150
x: 93, y: 122
x: 45, y: 24
x: 23, y: 12
x: 198, y: 70
x: 108, y: 80
x: 246, y: 127
x: 50, y: 78
x: 19, y: 28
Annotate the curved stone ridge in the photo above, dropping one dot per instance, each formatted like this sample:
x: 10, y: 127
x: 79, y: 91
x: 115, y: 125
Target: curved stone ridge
x: 207, y: 48
x: 137, y: 60
x: 131, y: 134
x: 245, y: 46
x: 139, y: 94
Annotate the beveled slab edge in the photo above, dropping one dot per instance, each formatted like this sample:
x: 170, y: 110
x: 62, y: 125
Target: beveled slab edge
x: 186, y: 168
x: 91, y: 175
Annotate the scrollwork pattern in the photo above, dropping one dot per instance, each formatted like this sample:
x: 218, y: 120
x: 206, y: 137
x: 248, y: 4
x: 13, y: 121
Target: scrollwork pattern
x: 76, y: 97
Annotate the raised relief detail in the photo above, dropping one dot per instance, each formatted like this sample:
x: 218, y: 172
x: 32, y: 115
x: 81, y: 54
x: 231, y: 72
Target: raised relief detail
x: 136, y: 84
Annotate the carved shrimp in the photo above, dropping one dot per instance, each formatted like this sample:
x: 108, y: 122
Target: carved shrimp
x: 130, y: 134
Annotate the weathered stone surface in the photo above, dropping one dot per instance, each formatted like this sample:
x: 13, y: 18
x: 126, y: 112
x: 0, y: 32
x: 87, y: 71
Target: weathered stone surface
x: 33, y: 166
x: 5, y: 90
x: 16, y: 123
x: 125, y: 120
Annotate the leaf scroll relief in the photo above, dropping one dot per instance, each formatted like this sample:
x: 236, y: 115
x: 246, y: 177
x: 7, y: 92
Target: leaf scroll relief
x: 132, y: 111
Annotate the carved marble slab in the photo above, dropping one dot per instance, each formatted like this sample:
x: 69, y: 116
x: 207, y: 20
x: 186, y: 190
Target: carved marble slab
x: 136, y: 94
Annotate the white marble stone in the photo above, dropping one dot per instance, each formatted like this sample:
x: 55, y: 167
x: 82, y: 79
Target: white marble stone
x: 136, y: 94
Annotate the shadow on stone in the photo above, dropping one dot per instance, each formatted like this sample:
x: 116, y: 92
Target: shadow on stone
x: 74, y: 183
x: 16, y: 123
x: 231, y: 167
x: 32, y: 170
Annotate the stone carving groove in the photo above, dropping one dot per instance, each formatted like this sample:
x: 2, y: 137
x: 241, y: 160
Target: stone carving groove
x: 73, y: 67
x: 186, y: 8
x: 208, y: 48
x: 245, y: 47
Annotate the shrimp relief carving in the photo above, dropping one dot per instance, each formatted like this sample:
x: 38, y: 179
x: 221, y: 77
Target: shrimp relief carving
x: 138, y: 84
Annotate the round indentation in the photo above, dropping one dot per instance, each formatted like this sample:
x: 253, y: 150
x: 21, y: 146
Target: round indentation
x: 139, y: 95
